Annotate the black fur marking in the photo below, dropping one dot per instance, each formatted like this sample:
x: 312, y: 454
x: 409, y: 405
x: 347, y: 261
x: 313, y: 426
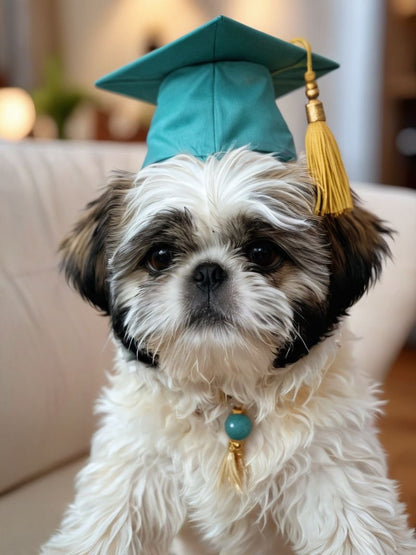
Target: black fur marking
x: 117, y: 321
x: 311, y: 325
x: 358, y: 250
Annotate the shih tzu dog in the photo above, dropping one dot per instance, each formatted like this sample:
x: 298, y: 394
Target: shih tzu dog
x: 225, y: 295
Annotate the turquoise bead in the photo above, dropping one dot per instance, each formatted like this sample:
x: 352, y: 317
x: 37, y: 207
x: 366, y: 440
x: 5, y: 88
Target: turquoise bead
x: 238, y: 426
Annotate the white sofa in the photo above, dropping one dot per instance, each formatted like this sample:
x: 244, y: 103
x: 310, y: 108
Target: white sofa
x: 55, y: 348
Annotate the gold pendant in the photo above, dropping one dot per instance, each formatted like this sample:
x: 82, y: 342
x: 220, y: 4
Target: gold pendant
x: 233, y: 469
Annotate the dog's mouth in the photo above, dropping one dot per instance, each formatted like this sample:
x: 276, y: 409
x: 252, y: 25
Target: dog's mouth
x: 207, y: 316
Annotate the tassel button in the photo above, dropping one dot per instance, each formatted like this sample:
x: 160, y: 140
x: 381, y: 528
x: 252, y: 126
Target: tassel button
x: 238, y: 426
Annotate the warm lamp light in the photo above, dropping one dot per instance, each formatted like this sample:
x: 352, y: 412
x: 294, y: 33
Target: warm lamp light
x: 17, y: 113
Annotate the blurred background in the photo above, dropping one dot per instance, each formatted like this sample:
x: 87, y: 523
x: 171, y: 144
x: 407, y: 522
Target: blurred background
x: 54, y: 50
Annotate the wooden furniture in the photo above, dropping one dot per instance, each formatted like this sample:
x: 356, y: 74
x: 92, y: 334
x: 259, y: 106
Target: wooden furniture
x: 399, y: 94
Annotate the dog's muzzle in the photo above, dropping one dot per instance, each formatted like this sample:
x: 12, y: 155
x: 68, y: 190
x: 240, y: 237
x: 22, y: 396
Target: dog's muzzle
x: 209, y: 295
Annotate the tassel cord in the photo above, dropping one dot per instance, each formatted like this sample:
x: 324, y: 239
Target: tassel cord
x: 333, y: 195
x: 233, y: 470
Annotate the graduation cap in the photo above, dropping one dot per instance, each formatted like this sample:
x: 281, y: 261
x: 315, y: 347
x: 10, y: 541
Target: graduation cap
x: 215, y: 90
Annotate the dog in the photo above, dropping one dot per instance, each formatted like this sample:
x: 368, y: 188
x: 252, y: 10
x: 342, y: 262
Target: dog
x: 224, y: 289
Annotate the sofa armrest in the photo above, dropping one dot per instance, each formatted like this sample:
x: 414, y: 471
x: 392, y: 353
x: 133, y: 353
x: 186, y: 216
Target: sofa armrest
x: 383, y: 319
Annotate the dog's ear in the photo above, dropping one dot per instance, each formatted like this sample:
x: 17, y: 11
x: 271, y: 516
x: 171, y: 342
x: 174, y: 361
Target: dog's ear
x: 85, y: 250
x: 358, y: 247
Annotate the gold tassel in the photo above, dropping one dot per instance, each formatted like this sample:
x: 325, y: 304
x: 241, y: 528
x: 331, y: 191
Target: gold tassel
x: 233, y: 470
x: 333, y: 195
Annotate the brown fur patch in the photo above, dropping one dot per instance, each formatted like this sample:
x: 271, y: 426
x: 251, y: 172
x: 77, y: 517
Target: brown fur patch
x: 85, y: 250
x: 358, y: 249
x: 171, y: 227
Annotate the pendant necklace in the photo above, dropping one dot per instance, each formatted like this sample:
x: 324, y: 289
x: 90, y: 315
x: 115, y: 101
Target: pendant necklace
x: 238, y: 427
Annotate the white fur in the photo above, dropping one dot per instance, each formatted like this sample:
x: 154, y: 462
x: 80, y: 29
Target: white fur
x: 317, y: 473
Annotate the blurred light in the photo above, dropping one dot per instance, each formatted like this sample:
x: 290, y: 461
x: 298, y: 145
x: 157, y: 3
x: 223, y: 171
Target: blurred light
x: 17, y: 113
x: 405, y: 8
x: 406, y: 141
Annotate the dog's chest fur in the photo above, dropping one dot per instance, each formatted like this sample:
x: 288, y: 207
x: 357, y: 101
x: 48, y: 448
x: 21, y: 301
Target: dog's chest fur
x: 297, y: 421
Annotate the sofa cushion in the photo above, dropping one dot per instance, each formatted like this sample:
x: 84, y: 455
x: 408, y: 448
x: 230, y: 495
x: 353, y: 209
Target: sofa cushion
x: 29, y: 515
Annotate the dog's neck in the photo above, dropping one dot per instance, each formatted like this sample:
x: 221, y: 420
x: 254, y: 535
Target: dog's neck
x: 259, y: 394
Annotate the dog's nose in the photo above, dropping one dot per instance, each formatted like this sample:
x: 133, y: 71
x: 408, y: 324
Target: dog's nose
x: 208, y: 276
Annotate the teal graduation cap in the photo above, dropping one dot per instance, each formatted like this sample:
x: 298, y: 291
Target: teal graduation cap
x: 215, y: 89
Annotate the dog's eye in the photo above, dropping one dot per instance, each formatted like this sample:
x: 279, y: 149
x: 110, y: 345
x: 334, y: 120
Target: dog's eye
x: 264, y: 254
x: 159, y: 258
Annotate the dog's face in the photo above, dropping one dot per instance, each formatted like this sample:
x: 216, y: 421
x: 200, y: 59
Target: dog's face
x: 199, y: 262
